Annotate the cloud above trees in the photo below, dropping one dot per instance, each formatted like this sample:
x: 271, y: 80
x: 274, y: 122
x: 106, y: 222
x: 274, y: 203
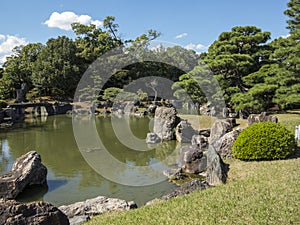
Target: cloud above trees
x: 64, y: 20
x: 7, y: 43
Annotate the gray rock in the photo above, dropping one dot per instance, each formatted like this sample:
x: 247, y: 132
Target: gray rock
x: 263, y: 117
x: 152, y: 138
x: 36, y: 213
x: 219, y: 128
x: 224, y: 145
x: 204, y: 132
x: 95, y: 206
x: 201, y: 141
x: 192, y: 159
x: 184, y: 132
x: 27, y: 170
x: 187, y: 188
x: 216, y: 169
x: 165, y: 120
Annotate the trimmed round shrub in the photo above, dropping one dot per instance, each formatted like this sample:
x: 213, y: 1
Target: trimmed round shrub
x: 265, y: 140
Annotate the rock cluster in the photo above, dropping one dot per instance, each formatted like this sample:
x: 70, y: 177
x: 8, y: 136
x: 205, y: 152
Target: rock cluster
x: 263, y: 117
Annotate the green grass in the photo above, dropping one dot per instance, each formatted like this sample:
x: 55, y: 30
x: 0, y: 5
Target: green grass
x: 265, y: 192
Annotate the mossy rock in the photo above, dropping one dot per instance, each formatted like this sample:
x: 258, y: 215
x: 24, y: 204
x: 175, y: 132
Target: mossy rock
x: 264, y: 141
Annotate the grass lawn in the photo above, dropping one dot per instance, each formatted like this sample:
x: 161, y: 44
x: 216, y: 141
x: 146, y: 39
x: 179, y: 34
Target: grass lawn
x: 266, y: 192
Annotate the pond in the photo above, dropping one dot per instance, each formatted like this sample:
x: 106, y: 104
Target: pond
x: 72, y: 174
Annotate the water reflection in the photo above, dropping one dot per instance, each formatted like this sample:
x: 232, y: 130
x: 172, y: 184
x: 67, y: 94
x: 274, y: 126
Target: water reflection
x: 69, y: 177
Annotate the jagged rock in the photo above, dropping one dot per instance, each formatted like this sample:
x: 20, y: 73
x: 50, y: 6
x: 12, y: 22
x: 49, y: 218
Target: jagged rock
x: 187, y: 188
x: 165, y: 120
x: 200, y: 140
x: 224, y: 145
x: 219, y: 128
x: 152, y: 138
x: 192, y: 159
x: 27, y: 170
x: 216, y: 169
x: 36, y: 213
x: 91, y: 207
x: 263, y: 117
x: 184, y: 132
x: 204, y: 132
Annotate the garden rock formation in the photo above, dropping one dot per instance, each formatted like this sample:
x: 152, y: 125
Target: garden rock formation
x: 27, y: 170
x: 184, y: 132
x: 217, y: 170
x: 165, y: 120
x: 263, y: 117
x: 192, y: 159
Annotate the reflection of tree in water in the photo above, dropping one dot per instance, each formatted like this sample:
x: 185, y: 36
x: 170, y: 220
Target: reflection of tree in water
x: 5, y: 157
x: 125, y: 154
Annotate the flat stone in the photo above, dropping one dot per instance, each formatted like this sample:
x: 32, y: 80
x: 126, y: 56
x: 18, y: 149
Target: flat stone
x: 91, y: 207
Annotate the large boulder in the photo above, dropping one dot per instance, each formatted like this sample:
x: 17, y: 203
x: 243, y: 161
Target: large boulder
x: 263, y: 117
x: 81, y: 211
x: 219, y: 128
x: 27, y: 170
x: 217, y: 170
x: 35, y: 213
x: 201, y: 141
x: 165, y: 120
x: 184, y: 132
x: 224, y: 145
x: 192, y: 159
x: 152, y: 138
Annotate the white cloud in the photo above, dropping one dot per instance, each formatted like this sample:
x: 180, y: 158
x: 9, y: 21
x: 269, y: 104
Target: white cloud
x: 181, y: 35
x: 65, y: 19
x: 200, y: 47
x: 7, y: 43
x: 285, y: 36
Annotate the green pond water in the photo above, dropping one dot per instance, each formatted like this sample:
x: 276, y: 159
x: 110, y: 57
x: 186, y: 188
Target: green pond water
x: 73, y: 172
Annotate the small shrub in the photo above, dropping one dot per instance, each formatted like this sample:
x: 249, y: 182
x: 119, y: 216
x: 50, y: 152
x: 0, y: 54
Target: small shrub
x: 3, y: 104
x: 265, y: 140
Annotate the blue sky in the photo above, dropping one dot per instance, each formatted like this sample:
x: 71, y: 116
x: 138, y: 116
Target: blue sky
x: 190, y: 23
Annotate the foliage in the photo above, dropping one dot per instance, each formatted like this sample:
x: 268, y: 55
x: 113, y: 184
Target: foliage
x: 266, y: 140
x: 3, y: 104
x: 236, y: 54
x: 277, y: 82
x: 110, y: 94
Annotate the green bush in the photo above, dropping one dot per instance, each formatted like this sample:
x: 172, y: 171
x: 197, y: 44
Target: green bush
x: 266, y: 140
x: 3, y: 104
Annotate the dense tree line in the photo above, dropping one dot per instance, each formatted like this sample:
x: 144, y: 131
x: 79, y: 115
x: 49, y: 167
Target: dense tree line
x: 254, y: 73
